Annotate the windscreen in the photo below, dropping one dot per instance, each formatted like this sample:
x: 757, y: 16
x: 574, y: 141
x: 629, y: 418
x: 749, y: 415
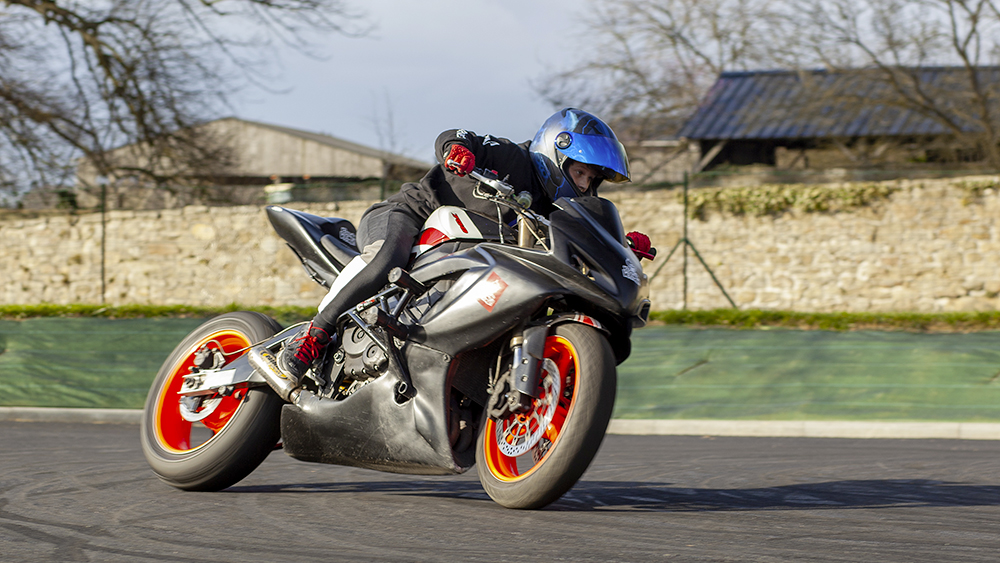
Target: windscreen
x: 605, y: 214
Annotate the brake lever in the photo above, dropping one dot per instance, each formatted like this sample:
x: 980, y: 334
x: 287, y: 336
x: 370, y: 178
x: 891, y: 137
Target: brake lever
x: 453, y: 165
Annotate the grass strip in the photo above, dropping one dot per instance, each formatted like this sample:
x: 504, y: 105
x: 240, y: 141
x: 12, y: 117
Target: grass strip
x: 758, y: 319
x: 678, y: 372
x: 674, y: 372
x: 284, y: 315
x: 728, y: 318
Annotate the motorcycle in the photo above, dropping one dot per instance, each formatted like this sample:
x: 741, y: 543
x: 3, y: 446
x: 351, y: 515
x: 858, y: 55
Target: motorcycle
x: 497, y: 348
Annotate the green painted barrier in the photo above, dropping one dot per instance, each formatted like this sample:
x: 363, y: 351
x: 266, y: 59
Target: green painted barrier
x: 683, y: 373
x: 84, y: 362
x: 673, y: 373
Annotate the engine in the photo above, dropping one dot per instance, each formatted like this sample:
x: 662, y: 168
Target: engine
x: 359, y: 360
x: 356, y: 362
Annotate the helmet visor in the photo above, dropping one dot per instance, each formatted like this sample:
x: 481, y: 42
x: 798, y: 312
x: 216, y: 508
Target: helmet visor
x: 598, y: 150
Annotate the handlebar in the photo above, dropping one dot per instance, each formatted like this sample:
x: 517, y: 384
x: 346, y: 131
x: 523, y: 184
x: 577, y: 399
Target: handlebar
x: 491, y: 180
x: 529, y: 222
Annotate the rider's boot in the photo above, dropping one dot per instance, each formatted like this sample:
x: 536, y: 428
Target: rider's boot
x: 301, y: 351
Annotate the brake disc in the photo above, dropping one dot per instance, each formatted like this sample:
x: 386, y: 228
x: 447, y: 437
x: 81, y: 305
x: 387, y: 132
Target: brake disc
x: 517, y: 433
x: 198, y: 408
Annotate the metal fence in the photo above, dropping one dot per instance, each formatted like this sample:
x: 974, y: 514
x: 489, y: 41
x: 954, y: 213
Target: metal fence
x: 114, y: 196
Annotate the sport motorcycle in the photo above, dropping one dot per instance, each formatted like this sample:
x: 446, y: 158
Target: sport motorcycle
x: 496, y: 347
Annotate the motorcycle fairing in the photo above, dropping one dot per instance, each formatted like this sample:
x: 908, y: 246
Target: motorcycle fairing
x: 458, y: 321
x: 371, y: 429
x: 589, y: 231
x: 305, y: 235
x: 450, y: 223
x: 464, y: 317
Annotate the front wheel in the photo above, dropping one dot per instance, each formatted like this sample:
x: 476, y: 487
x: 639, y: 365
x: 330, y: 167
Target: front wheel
x: 528, y: 460
x: 210, y: 442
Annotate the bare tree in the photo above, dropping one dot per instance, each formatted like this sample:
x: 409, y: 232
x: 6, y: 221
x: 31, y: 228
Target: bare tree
x: 384, y: 125
x: 79, y: 79
x: 647, y: 65
x: 650, y: 62
x: 900, y: 44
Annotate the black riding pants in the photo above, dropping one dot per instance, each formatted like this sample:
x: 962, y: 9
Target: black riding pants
x: 385, y: 237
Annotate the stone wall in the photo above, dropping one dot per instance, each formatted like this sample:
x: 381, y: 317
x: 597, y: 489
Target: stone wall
x: 194, y: 256
x: 931, y: 246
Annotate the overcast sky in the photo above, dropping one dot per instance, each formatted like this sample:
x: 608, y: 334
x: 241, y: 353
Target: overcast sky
x: 438, y: 64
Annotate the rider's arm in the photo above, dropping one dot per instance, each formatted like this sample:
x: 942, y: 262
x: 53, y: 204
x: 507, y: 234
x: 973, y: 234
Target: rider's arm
x: 509, y: 160
x: 489, y: 151
x: 445, y: 140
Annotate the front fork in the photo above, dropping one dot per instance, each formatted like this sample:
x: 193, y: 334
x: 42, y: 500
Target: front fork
x: 529, y: 350
x: 516, y: 392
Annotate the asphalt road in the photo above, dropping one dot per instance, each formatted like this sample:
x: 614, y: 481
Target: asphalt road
x: 84, y: 493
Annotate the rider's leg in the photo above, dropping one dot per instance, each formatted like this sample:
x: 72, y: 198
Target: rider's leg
x: 386, y: 233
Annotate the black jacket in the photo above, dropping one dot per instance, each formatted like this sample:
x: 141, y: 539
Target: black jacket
x: 438, y: 187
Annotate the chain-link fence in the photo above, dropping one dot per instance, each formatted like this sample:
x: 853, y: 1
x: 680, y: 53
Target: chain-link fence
x: 125, y: 195
x: 133, y: 197
x: 904, y: 245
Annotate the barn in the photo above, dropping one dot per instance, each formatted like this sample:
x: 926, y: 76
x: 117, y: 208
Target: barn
x: 864, y: 118
x: 267, y: 151
x: 312, y: 166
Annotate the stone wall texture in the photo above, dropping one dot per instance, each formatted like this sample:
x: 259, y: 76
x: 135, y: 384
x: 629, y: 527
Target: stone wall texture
x: 929, y: 247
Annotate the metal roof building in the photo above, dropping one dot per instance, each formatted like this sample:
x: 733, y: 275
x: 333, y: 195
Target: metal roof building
x: 264, y: 150
x: 746, y: 114
x: 261, y: 152
x: 258, y: 154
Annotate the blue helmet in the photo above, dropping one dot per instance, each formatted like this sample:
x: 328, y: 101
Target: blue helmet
x: 571, y: 135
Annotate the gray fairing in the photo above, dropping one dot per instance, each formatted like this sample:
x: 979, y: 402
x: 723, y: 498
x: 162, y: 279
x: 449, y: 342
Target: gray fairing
x: 324, y: 245
x: 370, y: 429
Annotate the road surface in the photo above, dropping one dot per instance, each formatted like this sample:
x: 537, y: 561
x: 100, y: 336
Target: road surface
x: 83, y: 492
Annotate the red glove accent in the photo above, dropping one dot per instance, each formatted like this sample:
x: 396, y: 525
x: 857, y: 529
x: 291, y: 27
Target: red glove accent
x: 460, y: 160
x: 640, y: 245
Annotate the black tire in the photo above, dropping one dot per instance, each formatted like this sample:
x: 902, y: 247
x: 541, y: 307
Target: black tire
x: 242, y: 430
x: 534, y: 479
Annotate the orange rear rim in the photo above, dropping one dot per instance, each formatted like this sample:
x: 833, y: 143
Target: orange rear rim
x: 509, y: 468
x: 173, y: 431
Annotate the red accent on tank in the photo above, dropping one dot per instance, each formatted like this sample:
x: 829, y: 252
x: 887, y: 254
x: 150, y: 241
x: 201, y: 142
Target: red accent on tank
x: 431, y: 236
x: 460, y: 225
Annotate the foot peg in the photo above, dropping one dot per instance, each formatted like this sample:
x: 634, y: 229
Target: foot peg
x: 267, y: 366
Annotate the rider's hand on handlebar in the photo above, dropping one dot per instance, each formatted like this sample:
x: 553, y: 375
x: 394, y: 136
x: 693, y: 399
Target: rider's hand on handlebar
x: 640, y: 245
x: 460, y: 160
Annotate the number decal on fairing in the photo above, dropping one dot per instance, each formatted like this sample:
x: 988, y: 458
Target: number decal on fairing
x: 460, y: 224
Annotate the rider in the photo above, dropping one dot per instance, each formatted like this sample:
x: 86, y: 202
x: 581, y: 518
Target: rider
x: 572, y: 153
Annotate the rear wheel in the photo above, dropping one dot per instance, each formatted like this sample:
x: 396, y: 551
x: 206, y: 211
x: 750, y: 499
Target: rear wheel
x: 209, y: 443
x: 528, y: 460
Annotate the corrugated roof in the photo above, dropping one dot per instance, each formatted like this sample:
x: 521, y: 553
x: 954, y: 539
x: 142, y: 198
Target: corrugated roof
x: 818, y: 103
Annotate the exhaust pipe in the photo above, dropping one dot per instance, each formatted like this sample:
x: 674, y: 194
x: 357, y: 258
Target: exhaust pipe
x: 263, y: 361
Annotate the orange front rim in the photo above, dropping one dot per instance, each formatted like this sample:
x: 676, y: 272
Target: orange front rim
x: 512, y: 468
x: 175, y: 433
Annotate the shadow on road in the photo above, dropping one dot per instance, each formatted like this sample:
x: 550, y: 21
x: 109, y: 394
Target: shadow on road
x: 639, y: 496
